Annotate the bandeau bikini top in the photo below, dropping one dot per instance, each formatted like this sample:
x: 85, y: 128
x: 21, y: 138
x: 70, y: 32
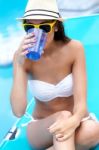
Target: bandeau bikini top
x: 45, y: 91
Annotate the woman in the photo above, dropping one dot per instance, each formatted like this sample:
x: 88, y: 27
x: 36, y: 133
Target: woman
x: 58, y: 81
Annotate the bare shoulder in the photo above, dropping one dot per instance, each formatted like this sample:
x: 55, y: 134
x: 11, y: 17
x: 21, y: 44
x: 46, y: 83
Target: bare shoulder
x: 75, y: 44
x: 76, y: 47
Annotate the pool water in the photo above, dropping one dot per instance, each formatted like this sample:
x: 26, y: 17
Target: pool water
x: 84, y: 29
x: 7, y: 118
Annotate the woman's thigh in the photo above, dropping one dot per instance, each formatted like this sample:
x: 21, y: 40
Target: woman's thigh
x: 38, y: 134
x: 87, y: 134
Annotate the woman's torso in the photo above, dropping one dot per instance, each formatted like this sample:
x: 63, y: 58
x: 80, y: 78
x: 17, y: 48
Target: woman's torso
x: 53, y: 68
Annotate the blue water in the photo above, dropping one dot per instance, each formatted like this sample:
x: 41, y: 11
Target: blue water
x: 83, y: 29
x: 7, y: 118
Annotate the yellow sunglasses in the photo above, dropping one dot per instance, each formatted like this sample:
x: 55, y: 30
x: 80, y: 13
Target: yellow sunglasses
x: 47, y: 27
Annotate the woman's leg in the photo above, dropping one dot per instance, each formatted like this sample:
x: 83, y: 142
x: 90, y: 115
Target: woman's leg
x: 50, y: 148
x: 87, y: 135
x: 65, y: 145
x: 38, y: 134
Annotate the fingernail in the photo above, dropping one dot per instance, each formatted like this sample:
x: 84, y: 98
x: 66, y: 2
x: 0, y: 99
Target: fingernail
x: 27, y: 51
x: 24, y: 53
x: 34, y: 40
x: 42, y: 52
x: 30, y: 45
x: 31, y: 34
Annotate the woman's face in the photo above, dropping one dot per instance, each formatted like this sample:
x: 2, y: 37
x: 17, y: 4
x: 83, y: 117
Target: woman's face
x: 50, y: 35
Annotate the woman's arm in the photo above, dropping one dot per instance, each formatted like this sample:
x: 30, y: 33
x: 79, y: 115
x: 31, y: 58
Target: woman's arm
x: 19, y: 88
x: 21, y: 67
x: 66, y: 127
x: 79, y: 77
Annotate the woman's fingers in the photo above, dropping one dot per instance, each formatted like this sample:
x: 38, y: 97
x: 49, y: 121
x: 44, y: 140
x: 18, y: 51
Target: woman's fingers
x: 28, y: 41
x: 29, y: 35
x: 25, y: 48
x: 65, y: 137
x: 24, y: 53
x: 54, y: 128
x: 56, y: 131
x: 53, y: 125
x: 59, y: 136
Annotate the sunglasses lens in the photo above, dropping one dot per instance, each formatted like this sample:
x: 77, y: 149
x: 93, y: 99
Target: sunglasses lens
x: 46, y: 28
x: 27, y: 27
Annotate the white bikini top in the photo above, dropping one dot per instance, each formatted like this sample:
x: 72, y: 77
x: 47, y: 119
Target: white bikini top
x: 44, y: 91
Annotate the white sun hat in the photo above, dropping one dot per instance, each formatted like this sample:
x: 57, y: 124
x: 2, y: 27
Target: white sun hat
x: 41, y: 9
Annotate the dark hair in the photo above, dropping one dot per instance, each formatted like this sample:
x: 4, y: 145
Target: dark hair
x: 60, y: 34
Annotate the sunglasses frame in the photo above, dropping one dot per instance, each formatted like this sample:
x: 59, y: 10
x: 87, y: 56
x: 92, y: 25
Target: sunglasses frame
x: 51, y: 24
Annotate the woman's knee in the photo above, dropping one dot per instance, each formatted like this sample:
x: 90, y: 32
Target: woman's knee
x: 63, y: 114
x: 88, y: 133
x: 35, y: 129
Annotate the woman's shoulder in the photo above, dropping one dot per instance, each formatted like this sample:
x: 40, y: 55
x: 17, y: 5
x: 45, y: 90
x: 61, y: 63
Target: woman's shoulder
x: 75, y: 43
x: 75, y: 46
x: 75, y: 49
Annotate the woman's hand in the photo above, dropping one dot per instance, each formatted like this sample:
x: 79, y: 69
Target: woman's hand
x: 64, y: 127
x: 28, y: 41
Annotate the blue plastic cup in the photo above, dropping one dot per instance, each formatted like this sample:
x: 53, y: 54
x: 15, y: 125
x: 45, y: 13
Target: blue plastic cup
x: 35, y: 52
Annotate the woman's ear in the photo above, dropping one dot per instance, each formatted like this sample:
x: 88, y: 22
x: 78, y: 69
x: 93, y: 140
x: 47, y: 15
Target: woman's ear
x: 56, y: 29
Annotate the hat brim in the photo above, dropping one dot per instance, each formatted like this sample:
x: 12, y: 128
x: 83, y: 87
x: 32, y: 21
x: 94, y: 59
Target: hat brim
x: 39, y: 18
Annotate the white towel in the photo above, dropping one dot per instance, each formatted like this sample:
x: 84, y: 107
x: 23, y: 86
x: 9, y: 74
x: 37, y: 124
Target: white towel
x: 72, y: 8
